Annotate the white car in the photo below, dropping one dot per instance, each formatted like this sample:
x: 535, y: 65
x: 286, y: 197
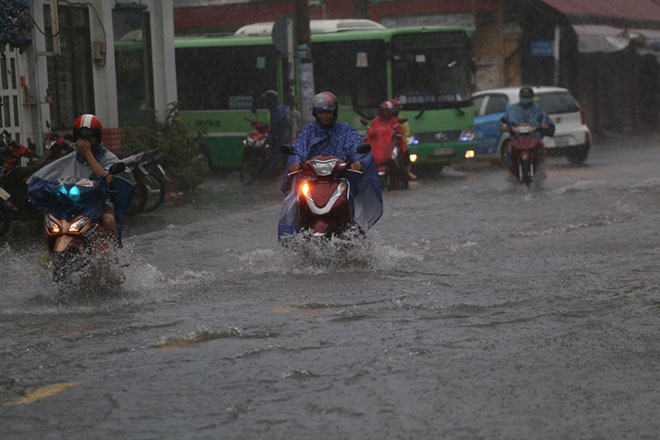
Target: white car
x: 572, y: 136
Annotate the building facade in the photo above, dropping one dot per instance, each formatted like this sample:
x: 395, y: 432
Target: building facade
x: 109, y: 58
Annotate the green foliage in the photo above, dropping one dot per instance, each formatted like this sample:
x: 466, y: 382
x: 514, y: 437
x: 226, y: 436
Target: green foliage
x: 182, y: 155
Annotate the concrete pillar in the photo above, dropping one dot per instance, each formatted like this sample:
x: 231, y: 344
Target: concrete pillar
x: 162, y: 53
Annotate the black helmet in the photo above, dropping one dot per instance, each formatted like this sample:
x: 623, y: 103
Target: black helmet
x: 270, y: 97
x: 526, y: 92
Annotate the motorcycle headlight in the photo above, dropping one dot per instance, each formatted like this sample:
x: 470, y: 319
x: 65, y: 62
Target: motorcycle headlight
x: 304, y: 189
x: 324, y: 167
x: 52, y: 227
x: 261, y: 142
x: 249, y: 142
x: 79, y: 224
x: 467, y: 135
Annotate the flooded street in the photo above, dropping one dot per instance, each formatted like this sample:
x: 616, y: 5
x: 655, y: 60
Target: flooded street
x: 474, y: 309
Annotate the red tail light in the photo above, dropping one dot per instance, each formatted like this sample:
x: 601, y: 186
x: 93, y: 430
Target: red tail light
x: 584, y: 119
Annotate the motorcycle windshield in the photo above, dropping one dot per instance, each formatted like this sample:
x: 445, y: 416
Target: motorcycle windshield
x: 68, y: 201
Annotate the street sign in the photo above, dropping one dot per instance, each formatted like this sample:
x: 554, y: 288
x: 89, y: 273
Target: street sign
x: 543, y: 48
x: 279, y: 32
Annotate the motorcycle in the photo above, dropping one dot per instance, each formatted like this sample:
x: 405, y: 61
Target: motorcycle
x: 72, y: 223
x: 323, y: 193
x: 389, y: 157
x: 255, y: 152
x: 524, y: 151
x: 150, y: 177
x: 16, y: 170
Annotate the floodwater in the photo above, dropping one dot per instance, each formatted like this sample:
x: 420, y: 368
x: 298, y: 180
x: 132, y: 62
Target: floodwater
x: 475, y: 309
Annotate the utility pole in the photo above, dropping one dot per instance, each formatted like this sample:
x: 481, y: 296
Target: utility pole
x: 304, y: 57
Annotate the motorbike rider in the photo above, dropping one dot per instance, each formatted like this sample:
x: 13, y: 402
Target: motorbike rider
x: 527, y: 111
x: 405, y: 127
x: 280, y: 127
x: 327, y: 136
x: 92, y: 160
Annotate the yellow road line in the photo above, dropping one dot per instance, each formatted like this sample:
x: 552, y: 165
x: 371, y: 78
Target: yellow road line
x: 42, y: 393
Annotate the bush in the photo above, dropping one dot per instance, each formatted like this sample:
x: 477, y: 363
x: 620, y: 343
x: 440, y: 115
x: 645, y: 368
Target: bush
x: 182, y: 155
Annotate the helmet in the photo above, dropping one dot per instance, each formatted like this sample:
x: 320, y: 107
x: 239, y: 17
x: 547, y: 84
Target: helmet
x: 270, y: 97
x: 526, y: 92
x: 325, y: 101
x: 87, y: 125
x: 386, y: 109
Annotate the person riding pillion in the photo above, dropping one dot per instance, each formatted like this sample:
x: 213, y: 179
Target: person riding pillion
x: 327, y: 136
x: 527, y: 111
x: 92, y: 160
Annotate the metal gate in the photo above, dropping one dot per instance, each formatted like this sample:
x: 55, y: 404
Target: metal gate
x: 9, y: 95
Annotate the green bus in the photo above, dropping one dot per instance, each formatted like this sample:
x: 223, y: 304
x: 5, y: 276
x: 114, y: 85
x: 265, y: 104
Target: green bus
x: 428, y: 69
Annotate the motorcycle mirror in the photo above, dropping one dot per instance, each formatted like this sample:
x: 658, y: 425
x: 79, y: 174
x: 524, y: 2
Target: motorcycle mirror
x: 287, y: 149
x: 363, y: 149
x: 48, y: 124
x: 117, y: 168
x: 402, y: 120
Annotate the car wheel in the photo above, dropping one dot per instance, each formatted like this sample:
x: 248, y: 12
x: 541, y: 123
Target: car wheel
x: 578, y: 155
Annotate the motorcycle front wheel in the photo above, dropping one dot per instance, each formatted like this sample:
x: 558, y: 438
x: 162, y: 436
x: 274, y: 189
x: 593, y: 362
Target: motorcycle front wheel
x: 156, y: 192
x: 139, y: 197
x: 5, y: 219
x: 526, y: 174
x: 251, y: 166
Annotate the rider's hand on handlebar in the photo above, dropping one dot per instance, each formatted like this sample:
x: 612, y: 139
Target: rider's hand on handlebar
x: 295, y: 167
x: 356, y: 166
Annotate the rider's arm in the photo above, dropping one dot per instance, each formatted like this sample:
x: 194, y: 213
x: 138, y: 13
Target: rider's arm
x: 86, y: 150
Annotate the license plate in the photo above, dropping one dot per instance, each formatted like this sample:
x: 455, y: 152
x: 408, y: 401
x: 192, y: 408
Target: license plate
x: 562, y: 141
x: 443, y: 151
x: 4, y: 195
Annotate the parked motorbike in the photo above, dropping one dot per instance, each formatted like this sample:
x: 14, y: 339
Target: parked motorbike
x: 14, y: 154
x: 18, y: 166
x: 324, y: 193
x: 150, y: 181
x: 524, y: 151
x: 387, y: 153
x: 72, y: 222
x: 255, y: 152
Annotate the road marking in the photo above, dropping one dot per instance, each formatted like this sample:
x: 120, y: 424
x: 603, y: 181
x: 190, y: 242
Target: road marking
x: 42, y: 393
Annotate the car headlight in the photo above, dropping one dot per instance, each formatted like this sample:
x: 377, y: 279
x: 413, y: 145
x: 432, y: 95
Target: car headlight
x: 324, y: 167
x: 466, y: 135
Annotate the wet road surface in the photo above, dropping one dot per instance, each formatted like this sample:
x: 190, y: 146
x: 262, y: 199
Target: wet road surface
x: 475, y: 309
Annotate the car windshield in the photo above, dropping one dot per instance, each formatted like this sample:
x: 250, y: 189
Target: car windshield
x: 557, y: 102
x: 429, y: 68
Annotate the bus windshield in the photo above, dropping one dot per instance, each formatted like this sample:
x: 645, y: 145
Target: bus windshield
x: 355, y: 71
x: 430, y: 69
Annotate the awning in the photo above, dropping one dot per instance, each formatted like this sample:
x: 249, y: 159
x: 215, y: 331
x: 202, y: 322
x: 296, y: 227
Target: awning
x: 600, y: 38
x: 629, y: 13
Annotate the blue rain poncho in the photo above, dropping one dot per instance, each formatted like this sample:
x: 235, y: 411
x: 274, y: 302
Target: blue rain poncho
x: 74, y: 166
x: 519, y: 114
x: 340, y: 140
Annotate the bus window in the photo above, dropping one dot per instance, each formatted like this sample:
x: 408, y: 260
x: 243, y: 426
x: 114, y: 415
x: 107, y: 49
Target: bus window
x: 225, y: 78
x: 355, y: 71
x: 429, y: 68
